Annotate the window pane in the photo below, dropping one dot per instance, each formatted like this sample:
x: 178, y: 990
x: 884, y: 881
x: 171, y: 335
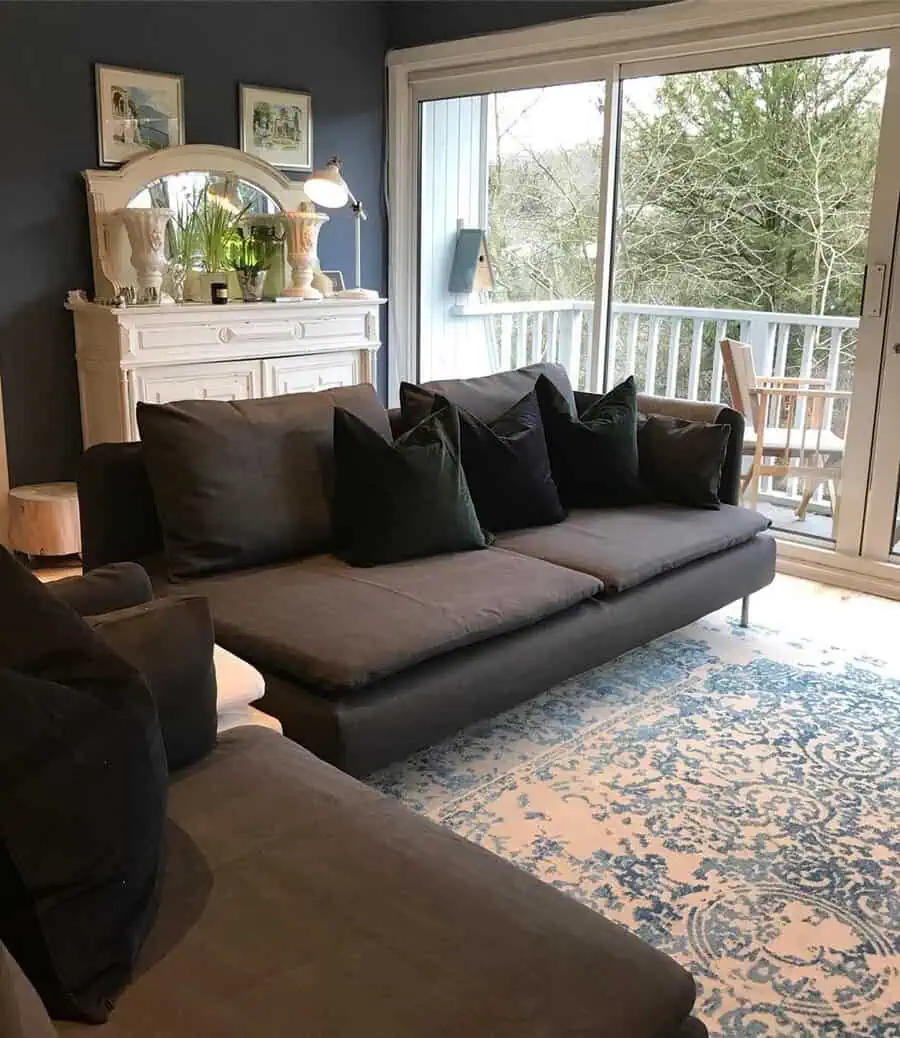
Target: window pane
x: 524, y: 167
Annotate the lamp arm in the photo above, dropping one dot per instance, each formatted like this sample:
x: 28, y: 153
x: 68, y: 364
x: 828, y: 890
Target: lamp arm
x: 359, y: 214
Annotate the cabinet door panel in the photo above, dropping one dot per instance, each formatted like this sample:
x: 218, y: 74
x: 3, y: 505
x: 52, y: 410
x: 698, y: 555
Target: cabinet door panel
x: 229, y: 380
x: 310, y: 374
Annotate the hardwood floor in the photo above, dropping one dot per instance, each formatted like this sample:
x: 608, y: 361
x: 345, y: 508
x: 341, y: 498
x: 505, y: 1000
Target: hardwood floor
x: 845, y: 618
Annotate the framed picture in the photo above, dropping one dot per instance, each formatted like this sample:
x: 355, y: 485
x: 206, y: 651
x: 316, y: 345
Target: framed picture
x: 137, y: 112
x: 276, y: 125
x: 336, y: 278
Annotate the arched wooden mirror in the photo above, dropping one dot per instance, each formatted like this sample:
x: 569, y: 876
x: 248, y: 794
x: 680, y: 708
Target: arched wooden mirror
x: 150, y: 198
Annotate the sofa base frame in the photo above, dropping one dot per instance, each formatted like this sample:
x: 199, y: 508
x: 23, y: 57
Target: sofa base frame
x: 370, y: 727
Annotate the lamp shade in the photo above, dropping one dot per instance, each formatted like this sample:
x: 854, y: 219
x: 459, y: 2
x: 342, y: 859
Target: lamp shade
x: 326, y: 187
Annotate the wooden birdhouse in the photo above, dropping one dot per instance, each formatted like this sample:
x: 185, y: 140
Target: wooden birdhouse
x: 471, y: 269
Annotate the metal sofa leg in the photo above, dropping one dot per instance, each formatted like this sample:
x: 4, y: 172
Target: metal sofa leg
x: 745, y: 611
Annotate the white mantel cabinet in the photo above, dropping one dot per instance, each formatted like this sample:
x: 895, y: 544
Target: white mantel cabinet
x: 239, y: 351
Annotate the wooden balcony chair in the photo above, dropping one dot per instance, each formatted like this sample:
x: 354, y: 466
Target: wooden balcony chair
x: 788, y: 430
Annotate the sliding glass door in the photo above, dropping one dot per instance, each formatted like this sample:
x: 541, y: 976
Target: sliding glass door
x: 743, y: 208
x: 629, y: 222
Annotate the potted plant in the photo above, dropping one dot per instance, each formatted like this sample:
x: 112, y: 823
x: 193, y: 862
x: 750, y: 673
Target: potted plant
x: 252, y: 253
x: 217, y: 221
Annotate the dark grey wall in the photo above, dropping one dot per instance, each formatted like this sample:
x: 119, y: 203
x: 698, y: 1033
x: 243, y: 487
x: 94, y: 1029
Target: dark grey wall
x: 415, y: 22
x: 47, y: 52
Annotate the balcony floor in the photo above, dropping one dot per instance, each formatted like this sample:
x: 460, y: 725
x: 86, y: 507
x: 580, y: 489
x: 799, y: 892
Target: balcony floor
x: 784, y: 520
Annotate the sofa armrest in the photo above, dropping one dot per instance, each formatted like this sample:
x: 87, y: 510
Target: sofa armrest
x: 714, y: 414
x: 105, y: 589
x: 170, y: 641
x: 118, y: 514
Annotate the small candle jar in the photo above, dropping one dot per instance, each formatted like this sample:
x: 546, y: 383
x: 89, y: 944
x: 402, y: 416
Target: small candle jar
x: 219, y: 292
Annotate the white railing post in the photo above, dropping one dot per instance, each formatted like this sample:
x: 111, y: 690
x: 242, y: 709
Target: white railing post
x: 631, y: 345
x: 715, y: 385
x: 674, y: 349
x: 696, y: 359
x: 506, y: 344
x: 758, y: 338
x: 593, y: 373
x: 612, y: 348
x: 553, y: 337
x: 521, y: 349
x: 652, y: 351
x: 570, y: 344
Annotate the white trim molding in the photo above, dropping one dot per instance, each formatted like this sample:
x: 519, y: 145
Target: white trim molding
x: 831, y: 567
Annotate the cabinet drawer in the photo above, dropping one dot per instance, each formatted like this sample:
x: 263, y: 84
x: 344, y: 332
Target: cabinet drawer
x: 228, y: 380
x: 271, y: 332
x: 229, y: 334
x: 310, y: 374
x: 334, y: 326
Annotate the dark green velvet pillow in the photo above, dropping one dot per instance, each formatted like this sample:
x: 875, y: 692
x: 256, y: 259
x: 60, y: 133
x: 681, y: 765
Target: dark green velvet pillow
x: 401, y: 500
x: 594, y: 454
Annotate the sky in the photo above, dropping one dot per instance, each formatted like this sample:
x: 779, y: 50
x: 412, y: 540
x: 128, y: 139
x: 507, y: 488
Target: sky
x: 567, y: 115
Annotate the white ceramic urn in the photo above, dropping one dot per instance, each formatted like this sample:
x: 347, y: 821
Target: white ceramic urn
x: 146, y: 230
x: 302, y: 238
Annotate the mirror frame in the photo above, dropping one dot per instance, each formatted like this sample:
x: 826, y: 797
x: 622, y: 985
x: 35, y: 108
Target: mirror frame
x: 109, y: 190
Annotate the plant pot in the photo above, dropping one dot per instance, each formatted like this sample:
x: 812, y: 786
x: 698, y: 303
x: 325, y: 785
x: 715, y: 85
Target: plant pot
x: 252, y: 283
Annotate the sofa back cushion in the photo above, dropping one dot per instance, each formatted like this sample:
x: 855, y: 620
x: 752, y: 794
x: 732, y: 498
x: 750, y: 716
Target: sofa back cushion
x: 246, y: 482
x: 486, y: 397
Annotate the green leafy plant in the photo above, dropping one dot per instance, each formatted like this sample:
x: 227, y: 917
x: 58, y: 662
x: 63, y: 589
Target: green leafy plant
x: 254, y: 249
x: 217, y: 231
x: 183, y: 235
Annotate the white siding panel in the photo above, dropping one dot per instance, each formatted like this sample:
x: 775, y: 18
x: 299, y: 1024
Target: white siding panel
x: 452, y: 178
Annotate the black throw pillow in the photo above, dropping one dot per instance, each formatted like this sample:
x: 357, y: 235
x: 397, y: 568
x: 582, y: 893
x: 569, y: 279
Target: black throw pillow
x: 507, y: 467
x: 83, y: 787
x: 401, y: 500
x: 594, y: 455
x: 170, y: 641
x: 681, y: 461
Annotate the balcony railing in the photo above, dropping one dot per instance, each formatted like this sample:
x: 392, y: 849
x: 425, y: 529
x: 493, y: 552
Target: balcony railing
x: 672, y: 350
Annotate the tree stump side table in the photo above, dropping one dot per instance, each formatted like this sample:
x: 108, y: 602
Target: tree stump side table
x: 43, y: 519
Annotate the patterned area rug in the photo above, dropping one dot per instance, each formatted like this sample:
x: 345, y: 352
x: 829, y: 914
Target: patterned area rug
x: 730, y: 796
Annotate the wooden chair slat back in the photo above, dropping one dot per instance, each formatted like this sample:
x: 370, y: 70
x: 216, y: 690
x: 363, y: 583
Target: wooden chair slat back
x: 741, y: 374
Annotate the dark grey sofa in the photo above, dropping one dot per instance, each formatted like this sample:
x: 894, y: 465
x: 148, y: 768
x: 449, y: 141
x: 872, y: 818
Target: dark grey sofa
x: 299, y: 902
x: 366, y: 666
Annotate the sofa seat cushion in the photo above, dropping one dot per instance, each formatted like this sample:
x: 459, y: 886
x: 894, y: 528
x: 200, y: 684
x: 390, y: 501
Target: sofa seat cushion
x: 299, y: 902
x: 624, y: 547
x: 335, y: 627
